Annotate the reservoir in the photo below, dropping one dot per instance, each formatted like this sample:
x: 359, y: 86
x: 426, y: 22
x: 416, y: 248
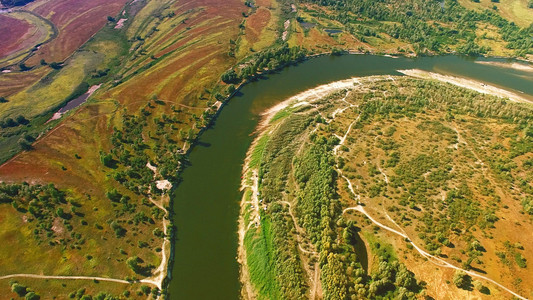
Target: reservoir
x: 206, y: 202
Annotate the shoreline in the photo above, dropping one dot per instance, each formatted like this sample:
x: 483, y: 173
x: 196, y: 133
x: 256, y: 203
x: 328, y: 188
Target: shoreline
x: 266, y: 116
x: 467, y: 83
x: 519, y: 66
x: 306, y: 97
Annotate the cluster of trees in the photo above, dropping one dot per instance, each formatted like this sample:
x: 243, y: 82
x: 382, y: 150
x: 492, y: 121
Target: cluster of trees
x: 42, y: 204
x: 23, y: 291
x: 416, y: 180
x: 130, y: 152
x: 412, y: 22
x: 10, y: 122
x: 274, y: 263
x: 136, y: 265
x: 315, y: 203
x: 82, y: 295
x: 320, y: 213
x: 265, y: 61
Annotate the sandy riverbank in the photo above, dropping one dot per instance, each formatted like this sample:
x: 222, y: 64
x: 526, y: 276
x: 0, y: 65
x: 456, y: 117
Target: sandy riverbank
x: 515, y: 65
x: 469, y: 84
x: 308, y: 97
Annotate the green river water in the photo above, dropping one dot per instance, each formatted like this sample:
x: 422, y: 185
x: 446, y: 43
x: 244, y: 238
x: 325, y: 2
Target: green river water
x: 206, y: 203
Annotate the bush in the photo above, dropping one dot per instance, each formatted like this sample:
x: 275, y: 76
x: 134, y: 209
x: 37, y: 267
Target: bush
x: 32, y: 296
x: 462, y: 280
x: 230, y: 77
x: 25, y: 145
x: 56, y: 66
x: 19, y: 289
x: 145, y: 289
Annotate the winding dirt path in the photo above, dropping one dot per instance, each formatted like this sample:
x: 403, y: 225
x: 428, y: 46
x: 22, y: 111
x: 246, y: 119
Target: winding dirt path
x: 435, y: 260
x: 161, y: 271
x: 66, y: 277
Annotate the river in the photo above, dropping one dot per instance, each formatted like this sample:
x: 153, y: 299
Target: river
x: 206, y: 203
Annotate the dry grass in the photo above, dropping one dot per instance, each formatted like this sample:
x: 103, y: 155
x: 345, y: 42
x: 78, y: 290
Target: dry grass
x: 51, y: 90
x: 513, y: 10
x: 477, y: 137
x: 12, y: 83
x: 493, y: 40
x: 61, y: 289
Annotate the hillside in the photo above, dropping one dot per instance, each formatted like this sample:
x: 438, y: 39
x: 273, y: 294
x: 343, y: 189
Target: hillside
x: 389, y: 187
x: 86, y: 191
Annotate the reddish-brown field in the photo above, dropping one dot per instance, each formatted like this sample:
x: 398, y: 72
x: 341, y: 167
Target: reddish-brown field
x: 256, y: 23
x: 12, y: 33
x: 76, y: 20
x: 263, y: 3
x: 180, y: 78
x: 171, y: 81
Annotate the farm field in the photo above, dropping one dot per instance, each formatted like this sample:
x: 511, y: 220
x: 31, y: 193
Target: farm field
x: 21, y: 31
x: 380, y: 177
x: 75, y: 20
x: 153, y: 75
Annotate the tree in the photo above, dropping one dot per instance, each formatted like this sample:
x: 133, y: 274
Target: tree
x: 481, y: 288
x: 133, y: 263
x: 43, y: 62
x: 107, y: 159
x: 119, y: 230
x: 145, y: 289
x: 3, y: 100
x: 230, y: 89
x: 32, y: 296
x: 24, y: 144
x: 111, y: 19
x: 22, y: 120
x: 230, y: 77
x: 55, y: 65
x: 462, y: 280
x: 19, y: 289
x: 23, y: 67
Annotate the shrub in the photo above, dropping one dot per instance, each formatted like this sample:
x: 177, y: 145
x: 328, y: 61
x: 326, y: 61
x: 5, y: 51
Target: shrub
x: 32, y: 296
x: 19, y: 289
